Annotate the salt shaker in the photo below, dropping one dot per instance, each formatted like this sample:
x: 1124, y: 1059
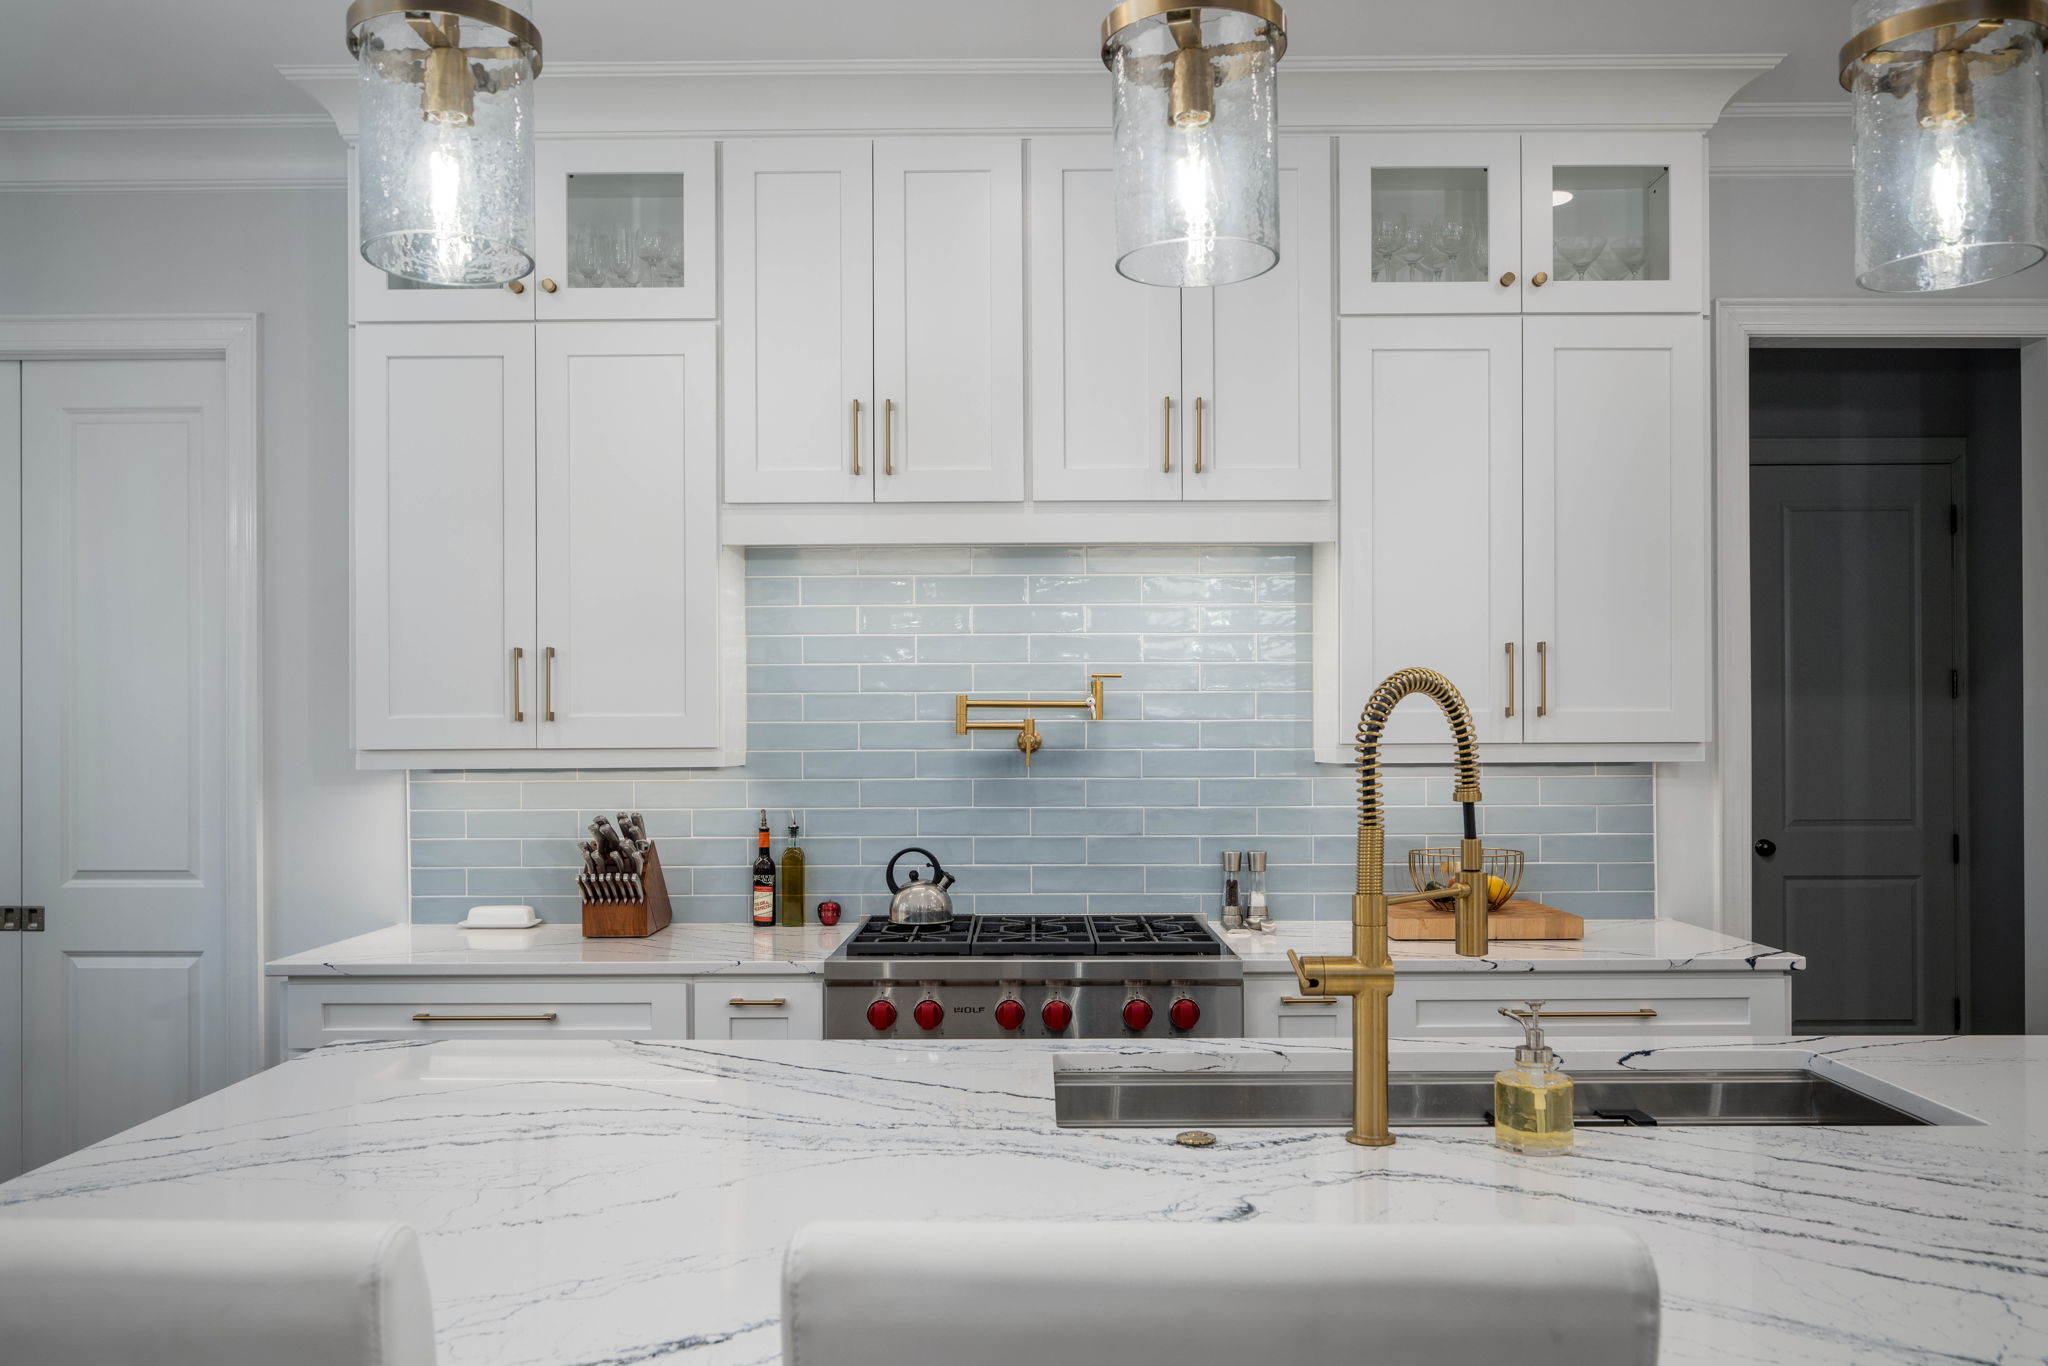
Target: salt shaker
x: 1233, y: 903
x: 1255, y: 891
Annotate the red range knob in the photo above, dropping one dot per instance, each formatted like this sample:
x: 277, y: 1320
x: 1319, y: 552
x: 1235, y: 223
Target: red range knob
x: 882, y: 1015
x: 1184, y: 1013
x: 1057, y: 1016
x: 1010, y: 1014
x: 1137, y: 1013
x: 928, y: 1014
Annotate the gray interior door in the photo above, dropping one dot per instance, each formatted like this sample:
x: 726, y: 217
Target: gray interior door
x: 1853, y: 612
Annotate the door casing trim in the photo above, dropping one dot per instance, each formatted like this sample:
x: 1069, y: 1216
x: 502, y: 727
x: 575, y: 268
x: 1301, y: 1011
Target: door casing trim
x: 1717, y: 794
x: 235, y: 340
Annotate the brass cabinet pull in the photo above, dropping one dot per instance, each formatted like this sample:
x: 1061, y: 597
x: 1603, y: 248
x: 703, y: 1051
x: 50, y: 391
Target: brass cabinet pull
x: 888, y: 436
x: 1308, y: 1000
x: 518, y: 711
x: 1540, y: 279
x: 516, y: 286
x: 856, y: 436
x: 767, y: 1001
x: 1166, y: 435
x: 548, y: 285
x: 1645, y: 1014
x: 453, y: 1019
x: 1507, y: 278
x: 547, y: 700
x: 1543, y: 678
x: 1198, y: 436
x: 1509, y: 711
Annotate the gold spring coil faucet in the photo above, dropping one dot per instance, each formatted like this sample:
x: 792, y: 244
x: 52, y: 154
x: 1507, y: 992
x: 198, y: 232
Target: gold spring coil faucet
x: 1367, y: 975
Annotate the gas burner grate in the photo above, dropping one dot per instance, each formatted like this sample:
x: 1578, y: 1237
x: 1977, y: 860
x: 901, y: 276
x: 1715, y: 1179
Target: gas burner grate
x: 1003, y: 936
x: 877, y: 938
x: 1180, y: 935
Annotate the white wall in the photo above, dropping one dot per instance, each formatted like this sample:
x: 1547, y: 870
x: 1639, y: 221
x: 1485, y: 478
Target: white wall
x: 335, y: 846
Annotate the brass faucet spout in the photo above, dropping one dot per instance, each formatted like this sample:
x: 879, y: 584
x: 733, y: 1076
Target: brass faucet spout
x: 1366, y: 975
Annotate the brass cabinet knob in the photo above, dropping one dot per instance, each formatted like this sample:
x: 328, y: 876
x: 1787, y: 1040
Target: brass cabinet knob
x: 516, y: 286
x: 548, y: 285
x: 1507, y: 278
x: 1539, y: 279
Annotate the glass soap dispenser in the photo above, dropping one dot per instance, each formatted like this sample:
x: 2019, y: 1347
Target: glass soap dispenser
x: 1532, y: 1100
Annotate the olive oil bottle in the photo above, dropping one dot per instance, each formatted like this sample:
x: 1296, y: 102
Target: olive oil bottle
x: 1532, y: 1100
x: 792, y: 878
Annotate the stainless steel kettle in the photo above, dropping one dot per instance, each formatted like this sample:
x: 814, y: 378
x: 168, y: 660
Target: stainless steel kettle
x: 919, y: 903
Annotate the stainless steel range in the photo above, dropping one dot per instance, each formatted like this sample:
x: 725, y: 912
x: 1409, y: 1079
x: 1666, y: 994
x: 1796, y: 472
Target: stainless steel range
x: 1035, y: 977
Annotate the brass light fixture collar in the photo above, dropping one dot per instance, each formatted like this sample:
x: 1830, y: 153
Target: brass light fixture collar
x: 1959, y: 14
x: 1135, y: 11
x: 523, y: 31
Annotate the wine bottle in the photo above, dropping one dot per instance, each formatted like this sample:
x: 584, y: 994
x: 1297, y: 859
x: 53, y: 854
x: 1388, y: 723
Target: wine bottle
x: 764, y: 879
x: 792, y: 879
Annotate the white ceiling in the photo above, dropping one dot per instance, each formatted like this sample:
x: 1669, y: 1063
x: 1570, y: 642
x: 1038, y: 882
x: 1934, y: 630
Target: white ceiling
x: 122, y: 58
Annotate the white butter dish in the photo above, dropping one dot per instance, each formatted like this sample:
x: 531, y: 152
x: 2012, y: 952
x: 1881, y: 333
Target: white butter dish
x: 500, y: 918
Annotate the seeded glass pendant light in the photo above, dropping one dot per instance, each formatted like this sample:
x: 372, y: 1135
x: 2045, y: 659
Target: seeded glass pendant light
x: 445, y: 151
x: 1950, y: 141
x: 1197, y: 142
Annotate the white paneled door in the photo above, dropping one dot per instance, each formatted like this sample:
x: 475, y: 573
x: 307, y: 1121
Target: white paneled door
x: 443, y: 537
x: 123, y: 773
x: 10, y: 765
x: 628, y: 535
x: 1615, y: 480
x: 949, y: 319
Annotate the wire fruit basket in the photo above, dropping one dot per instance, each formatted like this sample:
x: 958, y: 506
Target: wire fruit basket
x: 1429, y: 869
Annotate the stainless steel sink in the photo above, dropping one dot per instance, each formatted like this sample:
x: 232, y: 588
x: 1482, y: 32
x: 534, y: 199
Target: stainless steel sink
x: 1113, y: 1100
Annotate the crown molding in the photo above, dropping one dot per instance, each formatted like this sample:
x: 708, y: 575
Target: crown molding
x: 123, y: 123
x: 1791, y: 109
x: 55, y: 156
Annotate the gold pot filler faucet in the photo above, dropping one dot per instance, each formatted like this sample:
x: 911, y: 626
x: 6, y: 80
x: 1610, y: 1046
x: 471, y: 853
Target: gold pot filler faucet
x: 1367, y: 976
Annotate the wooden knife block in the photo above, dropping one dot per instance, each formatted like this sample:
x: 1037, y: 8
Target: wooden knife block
x: 632, y: 919
x: 1515, y: 920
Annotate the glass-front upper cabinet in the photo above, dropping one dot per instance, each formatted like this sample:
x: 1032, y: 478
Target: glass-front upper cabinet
x: 627, y: 229
x: 1614, y: 222
x: 1429, y: 223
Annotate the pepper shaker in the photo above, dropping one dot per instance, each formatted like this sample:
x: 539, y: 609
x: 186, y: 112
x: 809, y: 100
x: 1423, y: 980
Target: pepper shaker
x: 1233, y: 905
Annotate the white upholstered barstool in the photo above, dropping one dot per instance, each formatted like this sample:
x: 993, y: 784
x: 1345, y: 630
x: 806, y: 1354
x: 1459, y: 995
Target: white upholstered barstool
x: 997, y: 1294
x: 174, y: 1292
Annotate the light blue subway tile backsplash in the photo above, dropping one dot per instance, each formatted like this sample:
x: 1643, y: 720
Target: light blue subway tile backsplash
x: 854, y: 658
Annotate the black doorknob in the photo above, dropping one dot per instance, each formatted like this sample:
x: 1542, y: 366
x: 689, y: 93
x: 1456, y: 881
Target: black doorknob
x: 1765, y: 848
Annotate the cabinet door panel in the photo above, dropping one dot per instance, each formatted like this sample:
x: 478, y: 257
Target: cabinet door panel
x: 1397, y: 190
x: 1616, y: 581
x: 628, y: 543
x: 1258, y: 355
x: 1431, y: 525
x: 10, y: 770
x: 442, y: 532
x: 949, y: 318
x: 799, y: 321
x: 626, y: 228
x: 1617, y: 221
x: 1105, y: 351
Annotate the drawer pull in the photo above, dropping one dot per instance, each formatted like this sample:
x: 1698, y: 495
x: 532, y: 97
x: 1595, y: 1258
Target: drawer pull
x: 770, y: 1001
x: 1308, y: 1000
x: 449, y: 1019
x: 1584, y: 1014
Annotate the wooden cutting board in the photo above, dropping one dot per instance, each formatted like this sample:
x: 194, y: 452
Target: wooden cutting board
x: 1515, y: 920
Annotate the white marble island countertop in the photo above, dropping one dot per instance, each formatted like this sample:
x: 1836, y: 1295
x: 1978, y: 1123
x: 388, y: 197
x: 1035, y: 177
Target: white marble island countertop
x: 591, y: 1202
x: 701, y: 950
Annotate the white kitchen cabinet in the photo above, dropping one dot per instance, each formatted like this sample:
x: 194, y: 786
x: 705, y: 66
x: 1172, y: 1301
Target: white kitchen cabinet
x: 626, y: 465
x: 1606, y: 1005
x: 535, y: 546
x: 1615, y: 594
x: 319, y: 1011
x: 799, y: 320
x: 1526, y: 511
x: 1143, y: 393
x: 626, y: 228
x: 442, y: 528
x: 784, y: 1006
x: 1584, y: 222
x: 875, y: 325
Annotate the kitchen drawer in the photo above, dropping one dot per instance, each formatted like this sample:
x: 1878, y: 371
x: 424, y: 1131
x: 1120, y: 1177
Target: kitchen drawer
x: 1613, y: 1005
x: 330, y: 1011
x: 789, y: 1006
x: 1274, y: 1008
